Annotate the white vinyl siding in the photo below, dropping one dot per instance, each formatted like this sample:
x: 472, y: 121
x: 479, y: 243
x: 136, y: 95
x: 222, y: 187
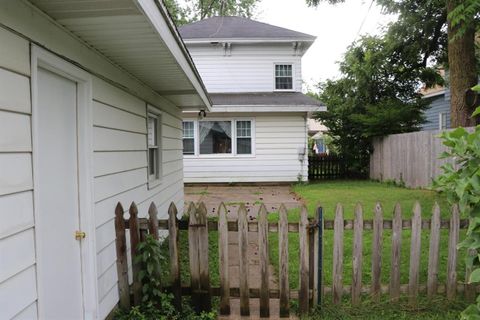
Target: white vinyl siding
x: 17, y: 246
x: 277, y: 140
x: 249, y: 68
x: 121, y: 172
x: 119, y: 157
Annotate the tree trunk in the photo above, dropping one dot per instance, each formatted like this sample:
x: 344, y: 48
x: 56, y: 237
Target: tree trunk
x: 463, y: 72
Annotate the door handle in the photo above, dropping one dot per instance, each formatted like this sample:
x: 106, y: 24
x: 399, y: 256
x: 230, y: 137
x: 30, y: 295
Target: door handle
x: 79, y: 235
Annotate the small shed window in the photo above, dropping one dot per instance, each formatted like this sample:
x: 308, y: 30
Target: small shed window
x: 215, y: 137
x: 244, y: 137
x: 283, y: 77
x: 154, y: 148
x: 442, y: 120
x: 188, y: 137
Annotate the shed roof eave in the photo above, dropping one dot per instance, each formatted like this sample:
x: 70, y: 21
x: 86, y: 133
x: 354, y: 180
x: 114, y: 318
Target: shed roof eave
x: 159, y: 18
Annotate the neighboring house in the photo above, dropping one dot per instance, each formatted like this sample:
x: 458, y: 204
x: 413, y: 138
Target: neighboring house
x: 316, y: 132
x: 437, y: 115
x: 79, y: 82
x: 257, y: 129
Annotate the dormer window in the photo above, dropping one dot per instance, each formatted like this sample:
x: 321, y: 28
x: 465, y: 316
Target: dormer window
x: 283, y: 77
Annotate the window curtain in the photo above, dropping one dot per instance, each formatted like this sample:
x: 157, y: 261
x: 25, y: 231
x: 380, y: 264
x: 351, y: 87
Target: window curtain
x: 207, y: 126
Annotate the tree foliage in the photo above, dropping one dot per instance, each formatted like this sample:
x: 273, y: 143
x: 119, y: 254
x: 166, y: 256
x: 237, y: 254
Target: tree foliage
x: 461, y: 183
x: 465, y: 14
x: 191, y: 11
x: 376, y: 95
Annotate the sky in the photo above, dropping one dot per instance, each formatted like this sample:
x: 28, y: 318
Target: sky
x: 335, y: 26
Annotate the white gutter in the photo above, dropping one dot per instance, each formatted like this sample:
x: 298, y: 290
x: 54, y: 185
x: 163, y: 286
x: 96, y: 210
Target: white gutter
x: 246, y: 40
x: 266, y: 108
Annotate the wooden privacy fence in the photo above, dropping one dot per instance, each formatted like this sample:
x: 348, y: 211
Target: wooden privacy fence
x: 311, y: 256
x: 411, y: 158
x: 326, y: 167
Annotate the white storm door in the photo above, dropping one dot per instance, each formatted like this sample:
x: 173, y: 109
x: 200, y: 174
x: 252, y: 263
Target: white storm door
x: 57, y: 205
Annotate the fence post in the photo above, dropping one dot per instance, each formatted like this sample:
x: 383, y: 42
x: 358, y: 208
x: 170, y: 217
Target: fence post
x: 312, y: 261
x: 134, y: 241
x: 304, y: 296
x: 193, y: 249
x: 223, y: 260
x: 470, y: 288
x: 153, y: 220
x: 396, y: 247
x: 206, y: 295
x: 320, y: 256
x: 264, y: 262
x: 433, y: 251
x: 357, y: 255
x: 122, y: 264
x: 415, y: 247
x: 174, y: 256
x: 283, y: 262
x: 452, y: 253
x: 338, y: 255
x: 243, y: 261
x: 377, y: 252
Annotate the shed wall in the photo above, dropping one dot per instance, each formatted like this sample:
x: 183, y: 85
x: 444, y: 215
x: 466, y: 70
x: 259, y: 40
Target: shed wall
x: 119, y: 157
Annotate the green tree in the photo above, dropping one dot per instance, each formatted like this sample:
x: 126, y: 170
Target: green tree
x: 375, y: 96
x: 424, y: 27
x: 196, y: 10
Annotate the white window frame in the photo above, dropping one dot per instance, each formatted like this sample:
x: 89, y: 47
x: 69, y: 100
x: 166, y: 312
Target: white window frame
x: 441, y: 117
x: 155, y: 179
x: 233, y: 154
x: 275, y: 77
x: 195, y: 124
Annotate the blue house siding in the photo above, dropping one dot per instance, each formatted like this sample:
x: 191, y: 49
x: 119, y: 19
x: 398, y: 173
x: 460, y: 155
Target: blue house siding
x: 438, y: 104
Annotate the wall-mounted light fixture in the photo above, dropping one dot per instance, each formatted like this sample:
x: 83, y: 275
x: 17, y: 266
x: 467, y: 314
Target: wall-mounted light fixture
x: 202, y: 114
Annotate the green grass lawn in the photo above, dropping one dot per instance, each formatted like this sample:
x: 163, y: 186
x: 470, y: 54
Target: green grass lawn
x: 349, y: 193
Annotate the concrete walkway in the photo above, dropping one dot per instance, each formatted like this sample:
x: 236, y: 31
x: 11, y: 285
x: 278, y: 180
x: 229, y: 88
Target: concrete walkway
x: 252, y: 197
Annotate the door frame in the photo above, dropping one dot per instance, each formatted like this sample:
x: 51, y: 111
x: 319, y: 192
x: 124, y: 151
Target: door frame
x: 51, y: 62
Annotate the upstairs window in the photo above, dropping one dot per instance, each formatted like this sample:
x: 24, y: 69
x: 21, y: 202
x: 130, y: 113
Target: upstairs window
x: 244, y: 137
x: 154, y: 148
x: 188, y: 137
x: 283, y: 77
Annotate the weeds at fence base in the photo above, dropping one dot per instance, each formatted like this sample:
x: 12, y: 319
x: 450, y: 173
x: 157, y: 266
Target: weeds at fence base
x: 437, y: 308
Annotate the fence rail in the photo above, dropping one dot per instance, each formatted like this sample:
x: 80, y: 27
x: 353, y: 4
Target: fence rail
x: 312, y: 252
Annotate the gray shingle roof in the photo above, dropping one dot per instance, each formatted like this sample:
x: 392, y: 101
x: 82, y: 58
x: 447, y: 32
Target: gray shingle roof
x: 238, y: 28
x: 263, y: 99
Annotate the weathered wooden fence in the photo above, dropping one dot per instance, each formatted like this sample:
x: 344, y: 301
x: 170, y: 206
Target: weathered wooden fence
x: 410, y: 158
x: 326, y: 167
x: 312, y: 252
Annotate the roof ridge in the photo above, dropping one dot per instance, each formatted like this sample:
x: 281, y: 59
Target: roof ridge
x: 212, y: 26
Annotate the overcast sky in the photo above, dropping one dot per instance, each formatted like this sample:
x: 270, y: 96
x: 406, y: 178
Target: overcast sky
x: 335, y: 27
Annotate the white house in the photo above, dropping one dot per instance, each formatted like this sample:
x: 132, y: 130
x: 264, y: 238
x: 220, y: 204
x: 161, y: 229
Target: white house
x: 257, y: 129
x: 91, y: 95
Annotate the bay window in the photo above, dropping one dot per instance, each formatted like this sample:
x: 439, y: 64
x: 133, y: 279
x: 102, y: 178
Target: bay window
x: 222, y: 137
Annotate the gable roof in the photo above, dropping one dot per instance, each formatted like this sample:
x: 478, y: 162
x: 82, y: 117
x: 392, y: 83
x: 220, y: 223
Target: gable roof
x: 215, y: 28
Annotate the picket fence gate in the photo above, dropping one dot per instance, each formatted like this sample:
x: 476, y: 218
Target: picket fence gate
x: 311, y: 256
